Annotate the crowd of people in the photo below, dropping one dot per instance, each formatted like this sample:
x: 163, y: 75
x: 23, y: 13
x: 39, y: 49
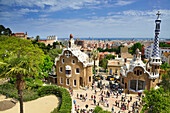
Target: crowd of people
x: 102, y: 96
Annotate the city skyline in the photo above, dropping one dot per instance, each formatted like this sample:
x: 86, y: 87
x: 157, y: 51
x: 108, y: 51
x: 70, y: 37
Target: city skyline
x: 86, y: 18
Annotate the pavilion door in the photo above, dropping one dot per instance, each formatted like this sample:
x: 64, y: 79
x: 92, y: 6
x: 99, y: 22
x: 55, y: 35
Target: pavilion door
x: 81, y: 81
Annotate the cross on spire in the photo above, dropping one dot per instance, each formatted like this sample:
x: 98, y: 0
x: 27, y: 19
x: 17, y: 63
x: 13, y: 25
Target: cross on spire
x: 158, y: 14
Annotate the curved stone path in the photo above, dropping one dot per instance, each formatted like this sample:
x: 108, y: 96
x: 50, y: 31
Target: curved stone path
x: 41, y: 105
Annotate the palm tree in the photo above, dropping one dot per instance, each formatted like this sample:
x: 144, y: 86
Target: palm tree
x: 94, y: 57
x: 19, y: 68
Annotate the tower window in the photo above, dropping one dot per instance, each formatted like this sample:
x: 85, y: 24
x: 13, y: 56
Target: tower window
x: 137, y: 72
x: 155, y: 67
x: 140, y: 72
x: 73, y: 61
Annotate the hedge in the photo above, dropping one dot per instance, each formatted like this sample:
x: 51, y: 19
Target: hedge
x: 32, y: 93
x: 66, y: 103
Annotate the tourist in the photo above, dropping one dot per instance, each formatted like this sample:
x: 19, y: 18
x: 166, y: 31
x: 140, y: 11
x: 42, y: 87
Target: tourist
x: 85, y: 88
x: 116, y: 103
x: 139, y: 99
x: 74, y: 101
x: 136, y: 103
x: 95, y: 92
x: 94, y: 102
x: 78, y: 106
x: 112, y: 109
x: 80, y: 96
x: 94, y: 97
x: 92, y: 87
x: 107, y: 103
x: 77, y: 95
x: 91, y: 97
x: 75, y: 108
x: 128, y: 106
x: 130, y: 98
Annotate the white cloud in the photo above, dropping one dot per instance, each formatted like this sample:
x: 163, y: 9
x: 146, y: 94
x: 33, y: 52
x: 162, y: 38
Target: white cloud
x: 123, y: 2
x: 55, y: 5
x: 144, y: 13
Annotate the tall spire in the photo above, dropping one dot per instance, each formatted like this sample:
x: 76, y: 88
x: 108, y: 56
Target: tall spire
x: 155, y: 59
x: 155, y: 52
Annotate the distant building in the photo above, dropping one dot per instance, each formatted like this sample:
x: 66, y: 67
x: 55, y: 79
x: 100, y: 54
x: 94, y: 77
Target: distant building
x: 21, y: 35
x: 166, y: 57
x: 114, y: 67
x: 50, y: 40
x: 124, y: 53
x: 73, y: 67
x: 149, y: 49
x: 79, y: 42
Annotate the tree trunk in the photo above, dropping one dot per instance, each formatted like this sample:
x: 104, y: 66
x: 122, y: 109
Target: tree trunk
x: 19, y: 83
x: 20, y: 100
x: 94, y: 67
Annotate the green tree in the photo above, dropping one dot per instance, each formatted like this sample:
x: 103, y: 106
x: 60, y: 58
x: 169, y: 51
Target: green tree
x: 164, y: 66
x: 110, y: 57
x: 46, y: 67
x: 166, y: 81
x: 22, y: 59
x: 37, y: 38
x: 53, y: 53
x: 156, y: 101
x: 19, y: 68
x: 103, y: 63
x: 135, y: 46
x: 5, y: 31
x: 54, y: 44
x: 162, y: 44
x: 95, y: 56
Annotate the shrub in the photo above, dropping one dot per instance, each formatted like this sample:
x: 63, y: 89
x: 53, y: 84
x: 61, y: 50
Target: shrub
x: 97, y: 109
x: 66, y: 104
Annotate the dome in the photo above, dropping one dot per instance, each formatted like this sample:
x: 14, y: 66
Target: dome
x: 71, y: 36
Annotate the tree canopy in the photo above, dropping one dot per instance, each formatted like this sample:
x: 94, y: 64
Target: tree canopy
x: 166, y: 81
x: 162, y: 44
x: 156, y: 101
x: 110, y: 50
x: 135, y: 46
x: 5, y: 31
x: 14, y: 46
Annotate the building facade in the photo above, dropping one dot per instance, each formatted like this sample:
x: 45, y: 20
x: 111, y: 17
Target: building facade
x: 166, y: 57
x: 137, y: 76
x: 73, y: 68
x: 21, y: 35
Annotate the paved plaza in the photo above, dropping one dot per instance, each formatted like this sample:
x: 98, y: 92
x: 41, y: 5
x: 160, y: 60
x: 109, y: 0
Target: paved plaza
x: 89, y: 92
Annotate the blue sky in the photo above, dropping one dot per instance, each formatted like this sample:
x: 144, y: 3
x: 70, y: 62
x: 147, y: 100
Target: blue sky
x: 86, y: 18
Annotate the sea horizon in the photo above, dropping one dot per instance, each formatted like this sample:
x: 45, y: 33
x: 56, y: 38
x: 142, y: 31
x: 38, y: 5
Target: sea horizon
x: 115, y: 38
